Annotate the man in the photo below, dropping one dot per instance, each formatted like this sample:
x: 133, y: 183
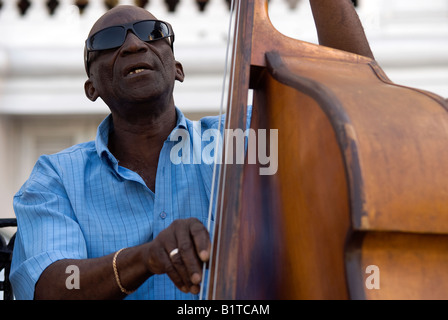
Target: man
x: 114, y: 217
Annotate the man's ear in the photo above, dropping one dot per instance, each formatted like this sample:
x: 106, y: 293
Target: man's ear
x: 90, y: 90
x: 180, y: 76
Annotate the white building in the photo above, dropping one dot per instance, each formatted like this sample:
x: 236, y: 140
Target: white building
x: 43, y: 108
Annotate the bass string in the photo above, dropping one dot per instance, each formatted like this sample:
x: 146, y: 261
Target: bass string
x: 226, y: 145
x: 216, y: 179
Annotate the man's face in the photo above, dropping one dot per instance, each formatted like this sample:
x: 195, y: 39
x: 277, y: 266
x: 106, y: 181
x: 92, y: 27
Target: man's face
x: 137, y: 71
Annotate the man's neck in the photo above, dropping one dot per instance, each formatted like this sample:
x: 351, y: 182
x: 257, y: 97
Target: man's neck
x: 142, y: 134
x: 137, y: 144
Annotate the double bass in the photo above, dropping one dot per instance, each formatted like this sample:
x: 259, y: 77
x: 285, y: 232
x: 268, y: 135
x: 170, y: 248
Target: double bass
x: 358, y: 208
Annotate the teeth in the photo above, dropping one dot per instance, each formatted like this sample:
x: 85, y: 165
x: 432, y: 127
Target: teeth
x: 136, y: 71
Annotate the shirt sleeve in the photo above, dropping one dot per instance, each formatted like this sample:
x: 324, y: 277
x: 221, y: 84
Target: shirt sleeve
x: 47, y: 228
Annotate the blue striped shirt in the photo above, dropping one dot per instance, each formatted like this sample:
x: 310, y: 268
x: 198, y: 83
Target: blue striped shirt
x: 80, y: 203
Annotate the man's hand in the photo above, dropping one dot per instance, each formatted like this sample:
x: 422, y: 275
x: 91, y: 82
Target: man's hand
x: 192, y: 241
x: 135, y: 265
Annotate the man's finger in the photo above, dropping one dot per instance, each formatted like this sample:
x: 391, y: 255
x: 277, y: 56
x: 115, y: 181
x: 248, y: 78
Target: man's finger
x: 189, y: 258
x: 182, y: 268
x: 201, y: 239
x: 172, y: 273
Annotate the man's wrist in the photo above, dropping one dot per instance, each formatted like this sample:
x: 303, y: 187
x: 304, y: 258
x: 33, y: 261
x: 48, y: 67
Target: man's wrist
x: 117, y: 274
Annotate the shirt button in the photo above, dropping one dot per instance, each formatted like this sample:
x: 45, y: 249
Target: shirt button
x: 162, y: 215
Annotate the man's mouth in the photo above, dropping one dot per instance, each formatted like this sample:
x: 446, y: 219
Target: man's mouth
x: 136, y: 71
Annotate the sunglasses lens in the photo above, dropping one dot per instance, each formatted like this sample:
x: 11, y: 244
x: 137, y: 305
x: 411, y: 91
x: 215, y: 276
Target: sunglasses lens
x: 107, y: 39
x: 151, y: 30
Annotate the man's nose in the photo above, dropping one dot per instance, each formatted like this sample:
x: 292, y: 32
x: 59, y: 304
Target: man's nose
x: 133, y: 44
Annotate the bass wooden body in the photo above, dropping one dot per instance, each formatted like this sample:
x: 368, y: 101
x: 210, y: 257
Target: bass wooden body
x: 358, y: 208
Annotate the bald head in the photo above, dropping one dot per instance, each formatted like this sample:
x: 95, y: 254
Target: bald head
x: 130, y: 62
x: 118, y: 16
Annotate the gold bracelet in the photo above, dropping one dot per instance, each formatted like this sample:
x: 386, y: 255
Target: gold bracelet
x: 117, y: 277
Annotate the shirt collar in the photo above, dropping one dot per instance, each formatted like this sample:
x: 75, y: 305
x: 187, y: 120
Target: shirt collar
x: 181, y: 120
x: 104, y: 129
x: 102, y: 137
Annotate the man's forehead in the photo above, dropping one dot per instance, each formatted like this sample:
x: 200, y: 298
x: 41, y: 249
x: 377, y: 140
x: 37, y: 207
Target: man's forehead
x: 120, y: 15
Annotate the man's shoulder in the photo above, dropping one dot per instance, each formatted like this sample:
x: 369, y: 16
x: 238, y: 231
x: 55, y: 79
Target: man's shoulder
x: 212, y: 122
x: 50, y: 169
x: 67, y: 157
x: 73, y: 151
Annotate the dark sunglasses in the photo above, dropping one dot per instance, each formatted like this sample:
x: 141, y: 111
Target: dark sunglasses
x: 115, y: 36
